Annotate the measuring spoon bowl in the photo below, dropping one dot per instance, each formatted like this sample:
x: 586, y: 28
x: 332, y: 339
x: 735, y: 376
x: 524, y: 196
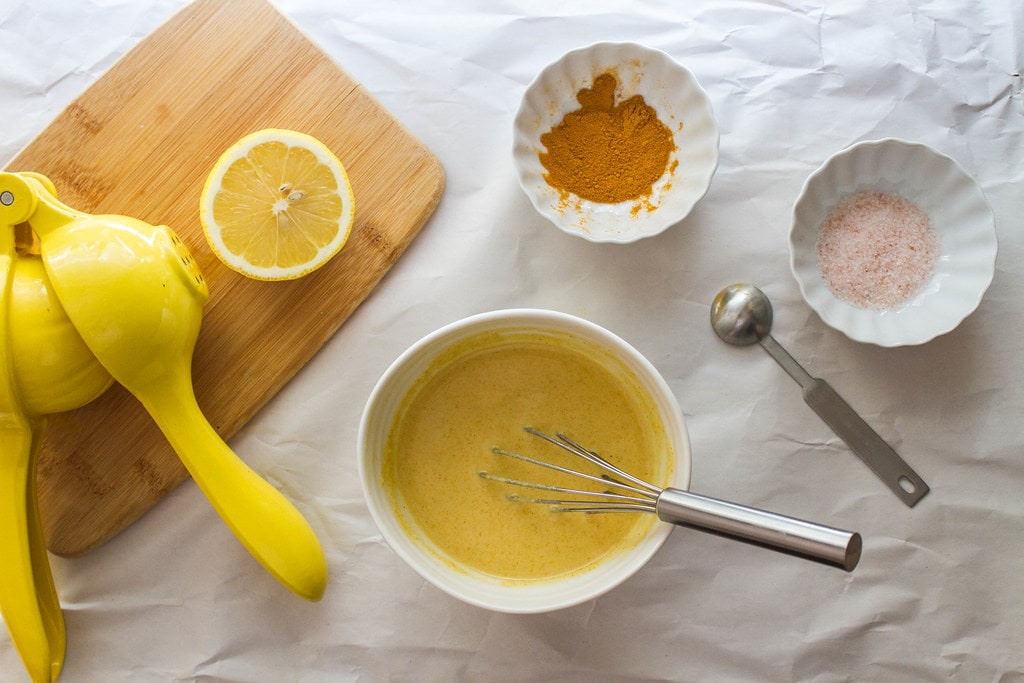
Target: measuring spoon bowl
x: 741, y: 315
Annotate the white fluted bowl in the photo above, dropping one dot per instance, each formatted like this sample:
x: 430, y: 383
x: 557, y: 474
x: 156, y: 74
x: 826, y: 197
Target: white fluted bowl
x: 959, y: 213
x: 681, y: 105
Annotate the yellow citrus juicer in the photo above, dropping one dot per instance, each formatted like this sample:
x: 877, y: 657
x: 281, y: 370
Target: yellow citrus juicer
x: 45, y: 367
x: 134, y: 294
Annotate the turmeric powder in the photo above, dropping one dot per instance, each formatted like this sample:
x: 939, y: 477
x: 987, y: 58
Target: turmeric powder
x: 607, y: 152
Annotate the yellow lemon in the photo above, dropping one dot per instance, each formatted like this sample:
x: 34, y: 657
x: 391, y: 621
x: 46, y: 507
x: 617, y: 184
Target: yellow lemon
x: 277, y: 205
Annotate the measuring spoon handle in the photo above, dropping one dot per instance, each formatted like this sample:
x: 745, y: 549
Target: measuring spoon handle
x: 788, y: 363
x: 851, y: 428
x: 865, y: 442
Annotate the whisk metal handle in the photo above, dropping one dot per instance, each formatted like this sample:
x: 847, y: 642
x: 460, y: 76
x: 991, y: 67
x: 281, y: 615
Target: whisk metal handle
x: 823, y: 543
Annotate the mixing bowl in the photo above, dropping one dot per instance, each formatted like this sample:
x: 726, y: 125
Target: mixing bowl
x: 470, y: 585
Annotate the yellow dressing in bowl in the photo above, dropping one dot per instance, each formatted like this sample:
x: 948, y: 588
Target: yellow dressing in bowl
x: 479, y: 394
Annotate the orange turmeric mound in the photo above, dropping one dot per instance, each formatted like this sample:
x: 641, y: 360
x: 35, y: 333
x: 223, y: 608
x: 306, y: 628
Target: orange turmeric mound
x: 607, y: 152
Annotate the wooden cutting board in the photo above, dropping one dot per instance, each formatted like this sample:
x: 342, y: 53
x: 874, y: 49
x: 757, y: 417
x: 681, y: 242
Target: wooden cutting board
x: 140, y: 142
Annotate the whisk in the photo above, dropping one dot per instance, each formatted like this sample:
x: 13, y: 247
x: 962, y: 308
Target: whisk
x: 631, y: 494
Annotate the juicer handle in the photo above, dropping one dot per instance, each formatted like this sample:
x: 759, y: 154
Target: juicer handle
x: 815, y: 541
x: 28, y: 597
x: 259, y: 515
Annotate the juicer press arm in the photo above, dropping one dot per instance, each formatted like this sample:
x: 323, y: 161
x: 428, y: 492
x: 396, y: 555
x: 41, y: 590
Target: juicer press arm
x: 28, y: 597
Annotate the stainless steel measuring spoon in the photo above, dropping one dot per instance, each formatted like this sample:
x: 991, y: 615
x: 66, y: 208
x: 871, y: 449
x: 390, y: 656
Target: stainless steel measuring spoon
x: 741, y: 315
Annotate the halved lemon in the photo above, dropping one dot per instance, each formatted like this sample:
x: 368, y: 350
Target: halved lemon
x: 277, y: 205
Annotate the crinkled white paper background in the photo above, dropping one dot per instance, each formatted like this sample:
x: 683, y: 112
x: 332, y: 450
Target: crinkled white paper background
x: 940, y: 592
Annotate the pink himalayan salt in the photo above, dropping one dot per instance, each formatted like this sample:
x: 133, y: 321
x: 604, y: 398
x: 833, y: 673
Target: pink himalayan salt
x: 877, y: 250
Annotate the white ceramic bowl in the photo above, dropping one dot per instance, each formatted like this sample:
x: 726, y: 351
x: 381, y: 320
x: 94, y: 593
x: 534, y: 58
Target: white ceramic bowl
x: 473, y: 587
x: 681, y: 105
x: 960, y: 215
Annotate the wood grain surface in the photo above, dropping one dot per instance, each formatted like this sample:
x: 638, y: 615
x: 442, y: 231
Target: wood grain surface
x: 140, y: 142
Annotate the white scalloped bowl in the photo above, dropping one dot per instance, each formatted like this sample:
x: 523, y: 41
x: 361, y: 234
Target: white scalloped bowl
x: 959, y: 213
x: 469, y: 585
x: 681, y: 105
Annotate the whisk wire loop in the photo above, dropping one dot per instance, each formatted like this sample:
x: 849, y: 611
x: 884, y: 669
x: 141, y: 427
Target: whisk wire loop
x: 566, y: 470
x: 609, y: 501
x: 565, y: 443
x: 593, y: 506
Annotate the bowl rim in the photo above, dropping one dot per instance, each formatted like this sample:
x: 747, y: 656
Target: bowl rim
x: 533, y: 597
x: 520, y: 142
x: 871, y: 336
